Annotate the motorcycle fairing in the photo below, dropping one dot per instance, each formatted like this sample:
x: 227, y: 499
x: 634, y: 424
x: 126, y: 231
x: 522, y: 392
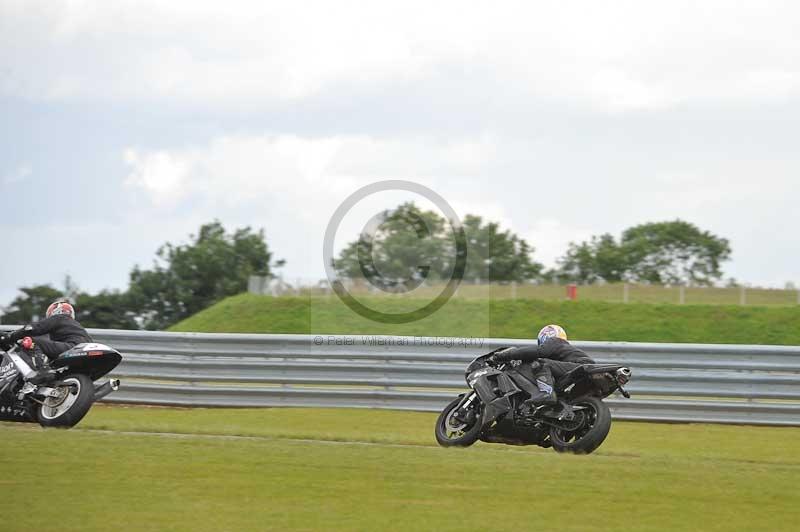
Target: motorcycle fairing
x: 508, y: 432
x: 588, y: 377
x: 10, y: 408
x: 92, y: 359
x: 8, y: 373
x: 494, y: 389
x: 8, y: 370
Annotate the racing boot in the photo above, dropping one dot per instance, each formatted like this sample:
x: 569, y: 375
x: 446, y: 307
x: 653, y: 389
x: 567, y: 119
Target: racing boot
x: 545, y: 394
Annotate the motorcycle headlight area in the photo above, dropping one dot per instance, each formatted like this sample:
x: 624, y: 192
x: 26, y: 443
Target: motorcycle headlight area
x: 477, y: 374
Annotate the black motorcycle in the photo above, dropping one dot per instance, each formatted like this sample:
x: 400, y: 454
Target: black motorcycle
x: 494, y: 411
x: 66, y: 393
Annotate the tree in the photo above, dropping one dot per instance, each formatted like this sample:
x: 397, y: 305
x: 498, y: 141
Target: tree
x: 106, y: 310
x: 187, y: 278
x: 497, y: 255
x: 600, y: 259
x: 674, y: 252
x: 403, y: 247
x: 31, y: 305
x: 664, y: 252
x: 398, y: 250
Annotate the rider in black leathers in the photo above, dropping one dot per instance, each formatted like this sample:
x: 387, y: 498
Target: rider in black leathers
x: 53, y: 335
x: 58, y: 332
x: 552, y: 358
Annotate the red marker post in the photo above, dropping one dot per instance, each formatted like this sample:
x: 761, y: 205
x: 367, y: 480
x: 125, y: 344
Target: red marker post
x: 572, y: 292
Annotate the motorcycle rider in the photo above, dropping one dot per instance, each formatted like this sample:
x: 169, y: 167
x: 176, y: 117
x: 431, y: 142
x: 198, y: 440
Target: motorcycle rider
x: 57, y: 333
x: 553, y: 357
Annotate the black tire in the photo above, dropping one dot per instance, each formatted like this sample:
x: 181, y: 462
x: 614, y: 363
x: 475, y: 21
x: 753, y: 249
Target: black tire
x: 68, y: 410
x: 458, y: 436
x: 590, y: 434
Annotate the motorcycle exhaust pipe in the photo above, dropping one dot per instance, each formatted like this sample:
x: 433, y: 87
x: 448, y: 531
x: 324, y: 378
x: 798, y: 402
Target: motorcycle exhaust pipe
x: 105, y: 389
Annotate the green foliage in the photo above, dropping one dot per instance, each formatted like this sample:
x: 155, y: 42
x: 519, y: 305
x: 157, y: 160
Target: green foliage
x: 584, y: 320
x: 674, y: 252
x: 600, y: 259
x: 495, y: 255
x: 187, y: 278
x: 406, y: 245
x: 106, y: 310
x: 662, y: 253
x: 399, y: 248
x: 31, y: 304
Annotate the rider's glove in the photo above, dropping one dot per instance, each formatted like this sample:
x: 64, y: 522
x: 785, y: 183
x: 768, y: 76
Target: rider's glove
x: 16, y: 335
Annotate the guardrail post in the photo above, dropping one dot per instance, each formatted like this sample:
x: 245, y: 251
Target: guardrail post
x: 386, y: 360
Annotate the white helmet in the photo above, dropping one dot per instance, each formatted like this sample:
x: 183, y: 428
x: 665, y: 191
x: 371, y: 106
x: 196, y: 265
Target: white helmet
x: 60, y: 306
x: 551, y: 331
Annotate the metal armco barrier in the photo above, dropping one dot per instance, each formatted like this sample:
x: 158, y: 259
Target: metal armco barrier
x: 671, y: 382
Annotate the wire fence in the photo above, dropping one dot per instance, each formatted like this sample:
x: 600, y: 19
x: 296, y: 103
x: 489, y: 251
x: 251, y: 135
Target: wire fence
x: 609, y: 292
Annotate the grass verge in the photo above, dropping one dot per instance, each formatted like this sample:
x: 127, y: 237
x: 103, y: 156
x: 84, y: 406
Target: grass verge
x: 645, y: 477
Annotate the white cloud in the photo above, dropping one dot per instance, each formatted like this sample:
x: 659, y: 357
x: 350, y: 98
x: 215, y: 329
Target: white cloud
x: 612, y: 57
x: 488, y: 210
x: 292, y: 184
x: 161, y: 173
x: 558, y: 120
x: 232, y: 169
x: 295, y: 183
x: 551, y: 238
x: 19, y: 174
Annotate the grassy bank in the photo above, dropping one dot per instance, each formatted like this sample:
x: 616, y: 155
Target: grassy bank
x: 585, y: 320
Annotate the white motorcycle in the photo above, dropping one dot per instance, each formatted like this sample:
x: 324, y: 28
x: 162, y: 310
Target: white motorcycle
x: 66, y: 393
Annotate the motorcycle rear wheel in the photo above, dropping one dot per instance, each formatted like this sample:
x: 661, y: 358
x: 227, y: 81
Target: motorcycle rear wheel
x: 453, y: 433
x: 77, y: 396
x: 590, y: 434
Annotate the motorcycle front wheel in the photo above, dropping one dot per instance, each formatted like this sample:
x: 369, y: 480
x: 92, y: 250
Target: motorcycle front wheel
x: 75, y: 395
x: 591, y: 431
x: 451, y: 432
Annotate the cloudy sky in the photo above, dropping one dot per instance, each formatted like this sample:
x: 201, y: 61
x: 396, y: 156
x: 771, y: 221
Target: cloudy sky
x: 125, y: 125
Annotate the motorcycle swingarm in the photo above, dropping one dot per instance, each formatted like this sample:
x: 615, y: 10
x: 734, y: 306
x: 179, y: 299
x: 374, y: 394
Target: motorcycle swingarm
x: 545, y: 413
x: 47, y: 392
x: 41, y: 391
